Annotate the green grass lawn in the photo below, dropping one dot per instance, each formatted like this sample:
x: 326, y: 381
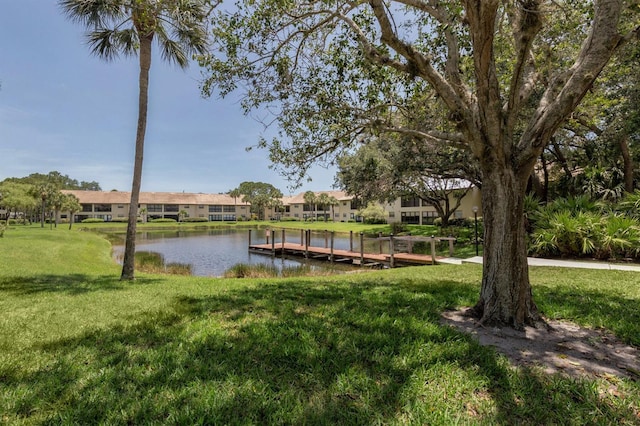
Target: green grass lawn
x: 78, y: 346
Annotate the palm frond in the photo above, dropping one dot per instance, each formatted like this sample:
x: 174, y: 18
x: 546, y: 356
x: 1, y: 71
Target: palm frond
x: 104, y: 44
x: 172, y: 51
x: 94, y: 13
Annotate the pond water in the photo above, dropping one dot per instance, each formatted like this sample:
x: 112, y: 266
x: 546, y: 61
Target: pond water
x: 212, y: 252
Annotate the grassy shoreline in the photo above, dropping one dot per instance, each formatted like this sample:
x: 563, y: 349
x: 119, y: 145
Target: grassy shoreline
x: 79, y: 346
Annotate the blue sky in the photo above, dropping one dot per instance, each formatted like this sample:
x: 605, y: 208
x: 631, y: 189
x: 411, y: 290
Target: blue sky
x: 63, y: 109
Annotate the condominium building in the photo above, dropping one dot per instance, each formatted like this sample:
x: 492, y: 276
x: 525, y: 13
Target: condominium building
x: 114, y: 205
x: 411, y: 210
x: 154, y: 205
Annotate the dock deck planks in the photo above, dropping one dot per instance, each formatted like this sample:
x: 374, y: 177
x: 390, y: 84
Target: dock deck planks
x: 340, y: 255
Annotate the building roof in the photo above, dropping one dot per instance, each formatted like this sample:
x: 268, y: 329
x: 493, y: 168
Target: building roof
x: 118, y: 197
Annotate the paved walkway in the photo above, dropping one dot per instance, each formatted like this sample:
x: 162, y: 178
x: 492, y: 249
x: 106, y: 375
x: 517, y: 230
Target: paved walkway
x: 534, y: 261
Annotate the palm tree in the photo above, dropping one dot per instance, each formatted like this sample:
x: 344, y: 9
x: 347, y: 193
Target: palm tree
x: 311, y: 199
x: 71, y: 204
x: 323, y: 200
x: 235, y: 193
x: 129, y: 27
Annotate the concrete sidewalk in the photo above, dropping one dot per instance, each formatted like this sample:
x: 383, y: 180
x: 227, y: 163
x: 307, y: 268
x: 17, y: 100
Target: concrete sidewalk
x: 534, y: 261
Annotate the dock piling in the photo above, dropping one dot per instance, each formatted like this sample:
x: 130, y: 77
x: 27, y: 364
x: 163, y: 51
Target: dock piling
x: 433, y: 249
x: 331, y: 255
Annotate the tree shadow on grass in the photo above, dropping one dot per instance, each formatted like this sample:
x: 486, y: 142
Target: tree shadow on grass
x: 618, y: 314
x: 292, y: 353
x: 72, y: 284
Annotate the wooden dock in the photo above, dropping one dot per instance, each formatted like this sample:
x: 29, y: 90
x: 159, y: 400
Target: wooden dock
x: 342, y: 256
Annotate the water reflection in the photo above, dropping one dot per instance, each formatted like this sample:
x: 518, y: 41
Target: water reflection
x: 212, y: 252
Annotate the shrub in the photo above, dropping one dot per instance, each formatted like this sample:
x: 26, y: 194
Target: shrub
x: 195, y: 219
x: 121, y: 220
x: 163, y: 220
x: 398, y: 228
x: 92, y: 220
x: 289, y: 219
x: 581, y: 233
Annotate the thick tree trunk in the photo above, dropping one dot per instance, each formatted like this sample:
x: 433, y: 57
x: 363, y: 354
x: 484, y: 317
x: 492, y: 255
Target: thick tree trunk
x: 128, y: 265
x: 505, y: 296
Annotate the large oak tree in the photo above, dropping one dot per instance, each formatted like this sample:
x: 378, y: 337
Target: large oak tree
x: 507, y: 74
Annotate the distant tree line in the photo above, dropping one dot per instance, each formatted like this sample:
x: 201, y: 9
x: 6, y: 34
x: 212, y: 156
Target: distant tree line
x: 39, y: 197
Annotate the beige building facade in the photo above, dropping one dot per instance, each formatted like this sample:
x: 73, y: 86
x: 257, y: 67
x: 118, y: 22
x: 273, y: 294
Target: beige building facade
x: 409, y: 210
x: 114, y: 205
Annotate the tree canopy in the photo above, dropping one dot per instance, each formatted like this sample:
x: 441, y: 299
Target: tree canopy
x: 259, y: 194
x: 389, y: 167
x: 58, y: 179
x: 494, y: 78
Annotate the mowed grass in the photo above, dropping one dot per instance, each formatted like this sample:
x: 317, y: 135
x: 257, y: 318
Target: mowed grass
x: 77, y: 346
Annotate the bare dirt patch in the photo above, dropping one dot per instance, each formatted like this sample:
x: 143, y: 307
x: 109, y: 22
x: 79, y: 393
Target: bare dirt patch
x: 564, y: 348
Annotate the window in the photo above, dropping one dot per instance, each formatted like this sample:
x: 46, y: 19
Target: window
x: 229, y: 209
x: 357, y: 204
x: 102, y: 207
x: 215, y: 209
x: 171, y: 208
x: 457, y: 214
x: 120, y: 206
x: 229, y: 217
x: 201, y: 207
x: 392, y: 214
x: 412, y: 218
x: 429, y: 216
x: 215, y: 217
x: 410, y: 202
x: 154, y: 208
x: 87, y: 207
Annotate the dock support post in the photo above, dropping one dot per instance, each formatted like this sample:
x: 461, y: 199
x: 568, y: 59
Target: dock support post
x: 331, y: 256
x: 391, y: 262
x: 380, y: 241
x: 325, y: 238
x: 301, y: 237
x: 273, y: 242
x: 306, y: 243
x: 267, y: 232
x: 361, y: 249
x: 283, y: 237
x: 350, y: 240
x: 433, y: 250
x: 249, y: 237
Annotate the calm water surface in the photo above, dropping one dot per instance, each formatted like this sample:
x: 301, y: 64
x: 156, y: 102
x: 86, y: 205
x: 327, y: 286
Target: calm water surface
x: 212, y: 252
